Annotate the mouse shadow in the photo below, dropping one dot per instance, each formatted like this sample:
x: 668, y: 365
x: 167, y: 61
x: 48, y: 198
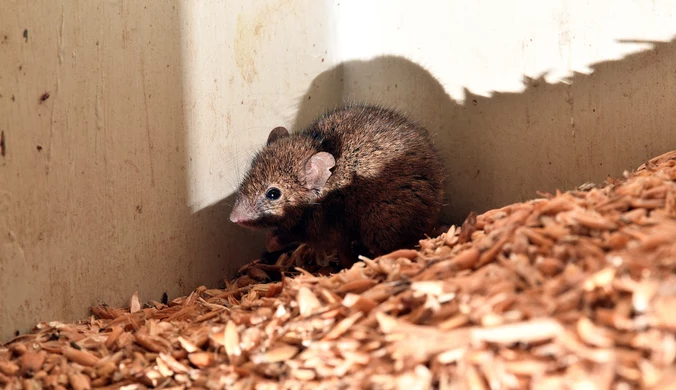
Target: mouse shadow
x: 221, y: 242
x: 504, y: 148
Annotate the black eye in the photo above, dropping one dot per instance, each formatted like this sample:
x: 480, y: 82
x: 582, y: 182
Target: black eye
x: 273, y: 193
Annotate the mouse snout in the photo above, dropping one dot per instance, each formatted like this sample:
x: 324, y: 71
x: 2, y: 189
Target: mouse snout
x: 241, y: 213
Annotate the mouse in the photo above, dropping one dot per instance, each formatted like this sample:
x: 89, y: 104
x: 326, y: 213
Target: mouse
x: 360, y: 180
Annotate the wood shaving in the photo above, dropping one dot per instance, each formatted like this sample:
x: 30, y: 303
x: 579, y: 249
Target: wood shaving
x: 569, y: 291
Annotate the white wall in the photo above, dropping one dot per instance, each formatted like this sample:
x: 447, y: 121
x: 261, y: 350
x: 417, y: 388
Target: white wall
x: 600, y: 99
x: 246, y: 64
x: 486, y: 46
x: 122, y: 179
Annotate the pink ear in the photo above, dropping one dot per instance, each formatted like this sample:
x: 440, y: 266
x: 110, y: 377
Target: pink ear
x: 277, y: 133
x: 318, y: 170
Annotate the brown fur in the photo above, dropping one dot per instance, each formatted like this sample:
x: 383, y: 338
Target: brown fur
x: 384, y: 192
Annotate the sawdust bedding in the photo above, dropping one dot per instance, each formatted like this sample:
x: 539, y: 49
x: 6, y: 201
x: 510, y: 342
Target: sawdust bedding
x: 573, y: 290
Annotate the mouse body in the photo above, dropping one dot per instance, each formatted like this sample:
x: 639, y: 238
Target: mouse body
x: 359, y: 180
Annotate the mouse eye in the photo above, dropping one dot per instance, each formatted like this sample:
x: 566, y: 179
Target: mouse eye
x: 273, y: 193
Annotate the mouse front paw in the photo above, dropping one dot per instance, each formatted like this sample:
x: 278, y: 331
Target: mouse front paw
x: 274, y: 241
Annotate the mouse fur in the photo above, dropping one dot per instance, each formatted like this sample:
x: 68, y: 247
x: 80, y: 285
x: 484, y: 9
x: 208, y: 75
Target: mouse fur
x: 361, y: 179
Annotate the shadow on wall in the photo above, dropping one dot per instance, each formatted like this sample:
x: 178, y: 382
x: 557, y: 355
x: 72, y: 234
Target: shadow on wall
x: 502, y: 149
x: 217, y: 239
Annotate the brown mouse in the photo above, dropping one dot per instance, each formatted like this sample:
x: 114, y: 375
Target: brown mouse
x: 360, y: 174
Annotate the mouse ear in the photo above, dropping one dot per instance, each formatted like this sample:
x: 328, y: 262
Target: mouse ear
x: 277, y: 133
x: 318, y: 170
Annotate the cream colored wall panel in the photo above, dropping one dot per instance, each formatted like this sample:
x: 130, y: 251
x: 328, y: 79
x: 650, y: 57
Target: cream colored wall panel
x: 119, y: 180
x: 93, y: 178
x: 246, y: 65
x: 600, y: 102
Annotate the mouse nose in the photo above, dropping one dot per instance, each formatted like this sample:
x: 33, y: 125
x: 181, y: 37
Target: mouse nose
x: 235, y: 217
x: 238, y: 214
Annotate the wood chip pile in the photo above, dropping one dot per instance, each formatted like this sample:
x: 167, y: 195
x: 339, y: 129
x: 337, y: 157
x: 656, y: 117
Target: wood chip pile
x: 571, y: 291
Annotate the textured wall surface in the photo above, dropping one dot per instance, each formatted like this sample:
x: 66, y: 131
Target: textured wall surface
x: 125, y: 126
x: 118, y: 181
x: 521, y: 95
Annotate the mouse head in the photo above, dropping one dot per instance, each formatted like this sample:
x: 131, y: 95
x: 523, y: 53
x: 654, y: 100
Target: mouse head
x: 286, y: 176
